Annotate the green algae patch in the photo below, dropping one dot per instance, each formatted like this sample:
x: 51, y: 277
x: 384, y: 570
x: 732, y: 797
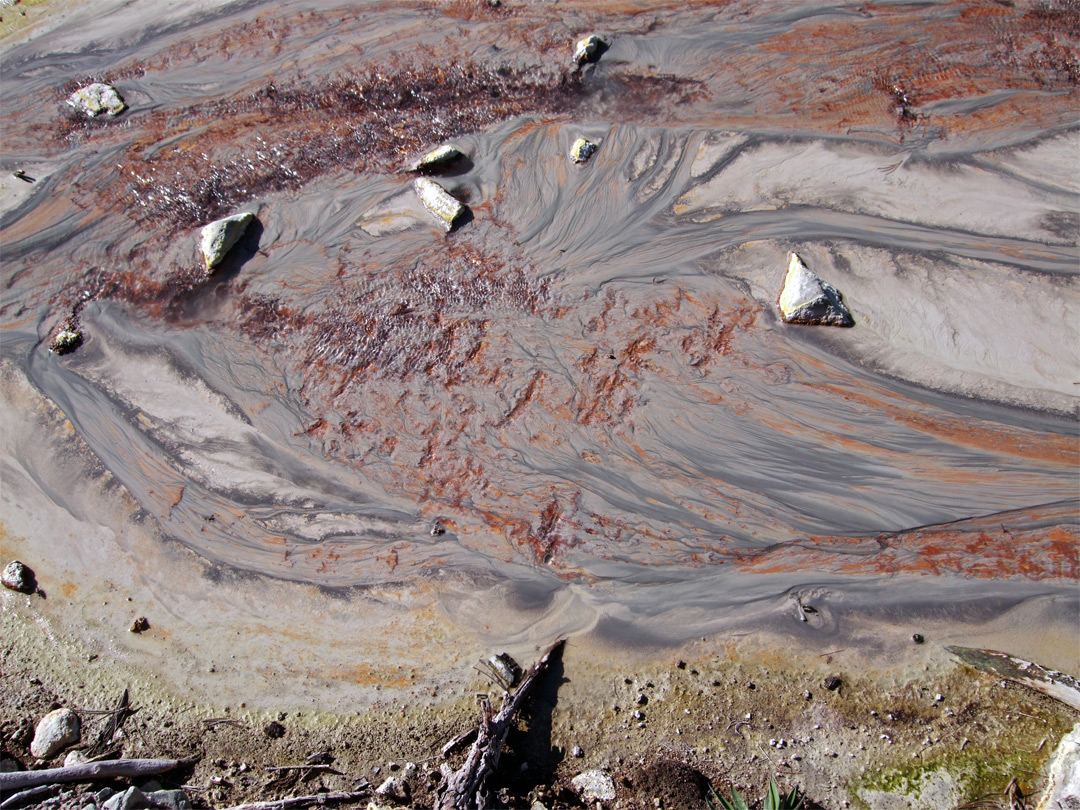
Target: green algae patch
x: 968, y: 770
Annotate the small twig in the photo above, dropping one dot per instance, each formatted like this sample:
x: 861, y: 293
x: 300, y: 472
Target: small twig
x: 1033, y: 717
x: 458, y: 741
x: 24, y: 796
x: 737, y: 723
x: 327, y: 768
x: 834, y: 652
x: 219, y: 721
x: 302, y: 801
x: 94, y: 712
x: 493, y: 675
x: 87, y: 772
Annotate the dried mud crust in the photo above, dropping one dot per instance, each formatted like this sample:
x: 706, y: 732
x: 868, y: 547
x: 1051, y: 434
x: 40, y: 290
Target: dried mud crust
x: 664, y: 729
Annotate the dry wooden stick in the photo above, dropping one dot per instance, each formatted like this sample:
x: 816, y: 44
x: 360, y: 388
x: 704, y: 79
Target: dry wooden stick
x: 459, y: 740
x: 328, y: 768
x: 464, y: 788
x: 302, y: 801
x: 24, y: 796
x: 107, y: 769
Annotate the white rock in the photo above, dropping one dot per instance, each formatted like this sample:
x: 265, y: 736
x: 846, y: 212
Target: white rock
x: 807, y: 299
x: 66, y: 340
x: 594, y: 786
x: 394, y: 788
x: 56, y: 731
x: 588, y: 48
x: 1063, y: 779
x: 582, y: 150
x: 97, y: 98
x: 18, y: 577
x: 439, y: 202
x: 218, y: 237
x: 437, y: 158
x: 75, y: 757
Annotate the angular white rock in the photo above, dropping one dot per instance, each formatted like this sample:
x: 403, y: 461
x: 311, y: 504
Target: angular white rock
x: 588, y: 48
x: 594, y: 786
x: 1063, y: 780
x: 55, y: 732
x: 807, y: 299
x: 218, y: 237
x: 439, y: 202
x: 437, y: 158
x: 582, y: 149
x: 97, y: 98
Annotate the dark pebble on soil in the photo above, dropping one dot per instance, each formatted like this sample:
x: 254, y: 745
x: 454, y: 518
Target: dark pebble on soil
x: 274, y: 730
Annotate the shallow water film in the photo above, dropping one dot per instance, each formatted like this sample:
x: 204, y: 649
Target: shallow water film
x: 580, y: 406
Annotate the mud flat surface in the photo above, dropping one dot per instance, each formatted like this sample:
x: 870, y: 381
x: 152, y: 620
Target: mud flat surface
x: 364, y: 454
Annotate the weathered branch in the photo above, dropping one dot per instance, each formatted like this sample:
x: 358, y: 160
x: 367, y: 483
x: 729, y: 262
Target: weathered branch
x: 25, y: 796
x: 464, y: 789
x: 1058, y: 685
x: 107, y: 769
x: 302, y: 801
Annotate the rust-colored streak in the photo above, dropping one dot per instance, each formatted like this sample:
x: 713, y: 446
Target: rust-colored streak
x: 969, y: 432
x: 526, y: 397
x: 895, y: 60
x: 972, y: 550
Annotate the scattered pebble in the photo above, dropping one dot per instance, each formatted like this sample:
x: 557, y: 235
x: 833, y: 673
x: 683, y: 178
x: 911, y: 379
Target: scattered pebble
x: 439, y: 202
x: 577, y: 752
x: 55, y: 732
x: 439, y: 158
x: 580, y: 151
x: 97, y: 98
x: 18, y: 577
x: 832, y: 683
x: 806, y: 299
x: 218, y: 238
x: 589, y: 49
x: 140, y: 625
x: 66, y: 340
x: 594, y: 786
x: 274, y: 730
x: 394, y: 788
